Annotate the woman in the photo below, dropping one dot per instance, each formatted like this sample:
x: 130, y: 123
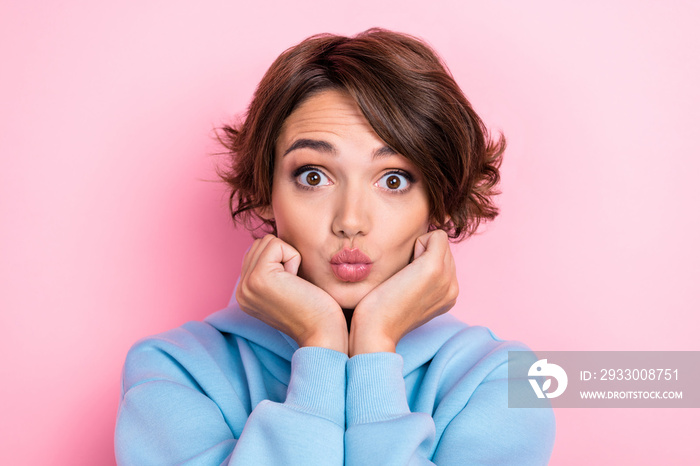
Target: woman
x: 361, y: 157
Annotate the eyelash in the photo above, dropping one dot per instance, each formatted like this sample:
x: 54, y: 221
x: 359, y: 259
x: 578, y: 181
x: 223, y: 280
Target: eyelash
x: 299, y: 171
x: 296, y: 173
x: 404, y: 174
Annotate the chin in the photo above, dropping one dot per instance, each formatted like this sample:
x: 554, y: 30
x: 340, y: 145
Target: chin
x: 348, y: 298
x: 347, y: 302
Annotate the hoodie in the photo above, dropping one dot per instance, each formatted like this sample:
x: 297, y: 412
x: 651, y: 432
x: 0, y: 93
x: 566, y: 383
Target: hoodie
x: 232, y: 390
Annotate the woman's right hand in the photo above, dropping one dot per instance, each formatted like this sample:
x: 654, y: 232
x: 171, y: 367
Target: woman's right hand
x: 270, y: 290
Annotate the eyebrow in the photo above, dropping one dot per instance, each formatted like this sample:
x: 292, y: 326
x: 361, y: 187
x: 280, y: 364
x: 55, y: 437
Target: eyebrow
x: 328, y: 148
x: 314, y: 144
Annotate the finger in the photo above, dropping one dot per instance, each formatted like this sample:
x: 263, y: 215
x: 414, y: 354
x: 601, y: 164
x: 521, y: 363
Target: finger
x: 281, y: 255
x: 290, y: 257
x: 420, y: 246
x: 245, y: 273
x: 248, y: 257
x: 449, y: 259
x: 259, y: 248
x: 291, y: 264
x: 435, y: 240
x: 451, y: 268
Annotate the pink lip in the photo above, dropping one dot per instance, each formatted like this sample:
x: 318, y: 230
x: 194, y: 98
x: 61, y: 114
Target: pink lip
x: 351, y: 265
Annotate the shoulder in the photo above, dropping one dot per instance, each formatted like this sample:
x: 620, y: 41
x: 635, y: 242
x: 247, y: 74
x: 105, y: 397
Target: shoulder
x: 446, y: 340
x: 479, y: 349
x: 472, y: 356
x: 180, y: 388
x: 176, y: 354
x: 464, y: 386
x: 220, y: 350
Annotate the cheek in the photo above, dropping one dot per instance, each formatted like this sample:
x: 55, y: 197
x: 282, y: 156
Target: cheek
x: 299, y: 228
x: 296, y: 224
x: 285, y: 222
x: 400, y: 236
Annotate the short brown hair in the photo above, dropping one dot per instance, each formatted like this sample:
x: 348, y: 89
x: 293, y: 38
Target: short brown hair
x: 408, y: 97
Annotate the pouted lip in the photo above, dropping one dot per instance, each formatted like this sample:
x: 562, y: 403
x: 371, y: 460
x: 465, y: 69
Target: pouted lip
x: 350, y: 256
x: 351, y: 265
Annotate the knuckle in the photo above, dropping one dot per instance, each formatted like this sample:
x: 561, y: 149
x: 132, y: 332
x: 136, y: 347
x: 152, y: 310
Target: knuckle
x: 440, y: 236
x: 256, y: 283
x: 242, y: 296
x: 271, y: 243
x: 453, y: 292
x: 433, y: 269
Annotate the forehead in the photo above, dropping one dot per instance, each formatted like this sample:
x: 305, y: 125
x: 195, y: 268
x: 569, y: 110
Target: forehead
x: 331, y: 113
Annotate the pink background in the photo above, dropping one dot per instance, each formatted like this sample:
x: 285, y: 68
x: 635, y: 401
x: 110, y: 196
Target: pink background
x: 111, y: 230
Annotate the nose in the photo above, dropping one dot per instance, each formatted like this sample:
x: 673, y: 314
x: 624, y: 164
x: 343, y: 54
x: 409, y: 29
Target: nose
x: 351, y: 217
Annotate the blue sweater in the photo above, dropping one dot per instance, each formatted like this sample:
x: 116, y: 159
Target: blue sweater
x: 232, y: 390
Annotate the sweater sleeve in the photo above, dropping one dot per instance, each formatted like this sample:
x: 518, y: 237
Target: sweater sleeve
x: 382, y: 430
x: 487, y: 431
x: 167, y: 415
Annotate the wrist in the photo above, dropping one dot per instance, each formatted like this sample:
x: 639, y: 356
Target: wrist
x: 332, y: 336
x: 326, y: 341
x: 362, y: 342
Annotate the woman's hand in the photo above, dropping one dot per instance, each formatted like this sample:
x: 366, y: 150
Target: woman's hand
x: 424, y: 289
x: 270, y: 290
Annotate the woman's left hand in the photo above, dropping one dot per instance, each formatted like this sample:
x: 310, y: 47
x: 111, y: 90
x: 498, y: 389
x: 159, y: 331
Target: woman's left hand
x: 424, y: 289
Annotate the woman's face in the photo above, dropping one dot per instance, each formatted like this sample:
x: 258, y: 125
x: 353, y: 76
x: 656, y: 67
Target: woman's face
x: 349, y: 204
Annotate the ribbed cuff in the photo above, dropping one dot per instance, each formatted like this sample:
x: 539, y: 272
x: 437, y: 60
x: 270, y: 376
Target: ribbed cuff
x: 317, y: 383
x: 376, y: 389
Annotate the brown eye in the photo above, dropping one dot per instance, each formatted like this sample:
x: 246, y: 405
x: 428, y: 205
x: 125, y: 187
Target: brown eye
x: 313, y: 178
x: 393, y: 182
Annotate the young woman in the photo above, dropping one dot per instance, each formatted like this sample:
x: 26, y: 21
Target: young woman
x: 362, y: 158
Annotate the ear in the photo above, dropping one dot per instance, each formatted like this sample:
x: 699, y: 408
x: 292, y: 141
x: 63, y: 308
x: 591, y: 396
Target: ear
x: 435, y: 223
x: 265, y: 212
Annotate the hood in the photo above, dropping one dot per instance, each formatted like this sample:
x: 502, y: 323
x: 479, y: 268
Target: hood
x: 417, y: 347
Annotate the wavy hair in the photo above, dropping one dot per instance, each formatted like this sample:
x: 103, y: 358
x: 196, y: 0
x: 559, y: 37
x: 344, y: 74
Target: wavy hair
x: 407, y: 95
